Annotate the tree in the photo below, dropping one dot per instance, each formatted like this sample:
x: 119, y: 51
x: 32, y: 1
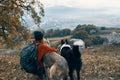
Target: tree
x: 81, y: 34
x: 49, y: 33
x: 103, y: 28
x: 90, y: 29
x: 65, y: 32
x: 12, y: 29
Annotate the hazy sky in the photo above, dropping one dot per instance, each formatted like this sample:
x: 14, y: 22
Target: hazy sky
x: 107, y: 11
x: 83, y: 3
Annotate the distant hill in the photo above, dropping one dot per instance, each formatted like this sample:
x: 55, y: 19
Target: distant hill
x: 68, y: 17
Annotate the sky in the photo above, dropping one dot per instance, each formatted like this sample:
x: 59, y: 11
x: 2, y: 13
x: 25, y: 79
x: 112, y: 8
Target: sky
x: 109, y: 10
x: 83, y: 3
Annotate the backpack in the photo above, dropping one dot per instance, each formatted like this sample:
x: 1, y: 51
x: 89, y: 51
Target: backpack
x: 28, y: 58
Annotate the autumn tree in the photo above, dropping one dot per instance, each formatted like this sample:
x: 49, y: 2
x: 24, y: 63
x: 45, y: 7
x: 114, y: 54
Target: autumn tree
x: 12, y: 23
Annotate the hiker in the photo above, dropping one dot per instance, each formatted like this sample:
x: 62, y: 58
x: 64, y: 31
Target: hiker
x: 42, y: 49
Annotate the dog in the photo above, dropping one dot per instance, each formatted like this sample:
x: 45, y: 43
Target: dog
x: 56, y: 66
x: 73, y: 58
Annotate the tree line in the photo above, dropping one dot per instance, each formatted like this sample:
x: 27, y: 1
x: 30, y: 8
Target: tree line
x: 58, y: 32
x: 87, y: 33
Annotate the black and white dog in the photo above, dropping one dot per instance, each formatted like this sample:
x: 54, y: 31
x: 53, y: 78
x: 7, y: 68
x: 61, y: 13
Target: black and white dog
x: 73, y: 57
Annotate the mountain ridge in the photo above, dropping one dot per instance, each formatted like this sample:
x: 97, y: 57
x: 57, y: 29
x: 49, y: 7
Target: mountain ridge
x: 69, y: 17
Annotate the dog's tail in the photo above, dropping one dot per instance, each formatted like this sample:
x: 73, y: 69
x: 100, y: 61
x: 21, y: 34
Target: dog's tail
x: 53, y: 70
x: 56, y: 70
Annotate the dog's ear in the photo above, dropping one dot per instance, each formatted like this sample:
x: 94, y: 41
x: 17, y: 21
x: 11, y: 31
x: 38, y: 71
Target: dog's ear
x: 66, y: 41
x: 63, y: 41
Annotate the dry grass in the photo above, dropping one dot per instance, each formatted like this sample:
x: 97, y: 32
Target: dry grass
x: 59, y: 38
x: 56, y: 41
x: 99, y: 63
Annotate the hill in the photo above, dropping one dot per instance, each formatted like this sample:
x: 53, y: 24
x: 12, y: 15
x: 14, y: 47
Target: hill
x: 69, y: 17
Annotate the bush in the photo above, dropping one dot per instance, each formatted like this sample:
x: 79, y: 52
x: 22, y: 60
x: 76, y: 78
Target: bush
x: 81, y: 34
x: 98, y: 40
x: 88, y: 42
x: 103, y: 28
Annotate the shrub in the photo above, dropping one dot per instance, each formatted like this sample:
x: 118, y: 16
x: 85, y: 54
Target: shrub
x: 98, y: 40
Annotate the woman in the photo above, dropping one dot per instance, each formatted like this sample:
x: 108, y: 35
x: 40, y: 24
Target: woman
x: 42, y: 49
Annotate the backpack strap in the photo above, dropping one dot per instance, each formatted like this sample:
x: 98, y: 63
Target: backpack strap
x: 37, y: 44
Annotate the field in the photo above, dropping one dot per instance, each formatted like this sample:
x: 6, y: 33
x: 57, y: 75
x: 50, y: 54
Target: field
x: 99, y: 63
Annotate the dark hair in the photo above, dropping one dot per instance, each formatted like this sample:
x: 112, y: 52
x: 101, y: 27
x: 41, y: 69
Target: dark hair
x: 38, y: 35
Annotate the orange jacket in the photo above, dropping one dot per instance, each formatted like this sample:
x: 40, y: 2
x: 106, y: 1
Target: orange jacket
x: 43, y: 49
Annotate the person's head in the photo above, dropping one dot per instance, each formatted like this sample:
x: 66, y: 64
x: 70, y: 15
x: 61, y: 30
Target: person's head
x: 38, y: 36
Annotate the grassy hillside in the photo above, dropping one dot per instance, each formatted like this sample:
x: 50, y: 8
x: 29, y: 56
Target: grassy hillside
x: 99, y: 63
